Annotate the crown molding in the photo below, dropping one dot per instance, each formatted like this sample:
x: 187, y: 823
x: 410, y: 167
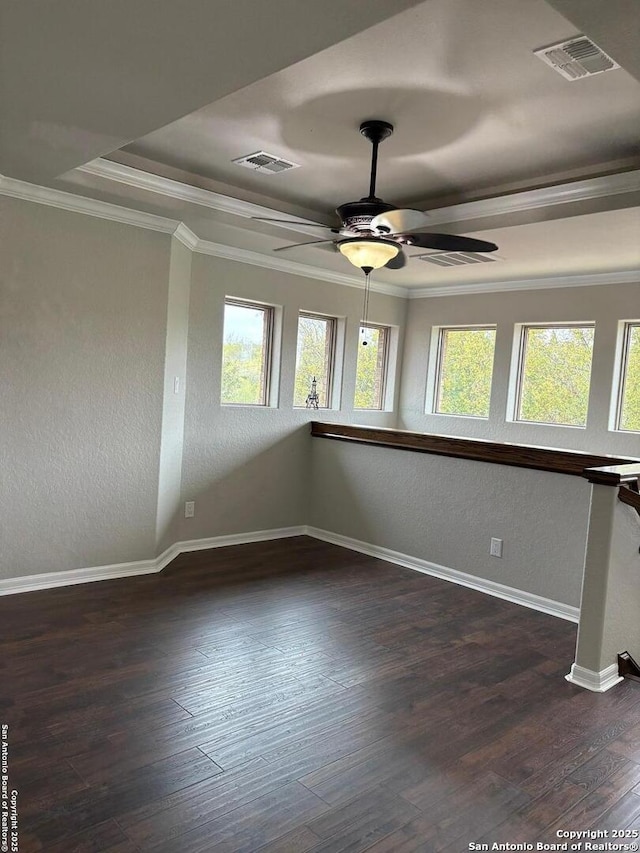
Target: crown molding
x: 578, y: 280
x: 571, y: 192
x: 186, y: 236
x: 517, y: 202
x: 193, y: 195
x: 89, y: 206
x: 245, y: 256
x: 105, y: 210
x: 128, y: 216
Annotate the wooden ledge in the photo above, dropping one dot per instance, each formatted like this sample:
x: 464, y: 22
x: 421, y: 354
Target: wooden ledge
x: 518, y: 455
x: 625, y: 477
x: 614, y: 475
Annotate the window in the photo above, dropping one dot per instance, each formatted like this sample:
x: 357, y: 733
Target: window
x: 554, y: 374
x: 246, y: 353
x: 371, y: 367
x: 314, y: 358
x: 464, y: 369
x: 628, y: 415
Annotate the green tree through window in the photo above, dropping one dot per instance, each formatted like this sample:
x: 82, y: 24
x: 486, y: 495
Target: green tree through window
x: 314, y: 357
x: 245, y: 353
x: 371, y: 367
x: 629, y: 418
x: 465, y: 369
x: 555, y: 374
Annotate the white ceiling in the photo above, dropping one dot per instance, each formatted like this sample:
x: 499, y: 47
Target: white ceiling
x: 180, y: 91
x: 82, y: 78
x: 473, y: 109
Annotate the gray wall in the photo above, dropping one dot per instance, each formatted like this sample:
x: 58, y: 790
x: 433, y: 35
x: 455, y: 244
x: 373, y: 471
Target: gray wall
x: 605, y: 305
x: 446, y: 510
x: 248, y: 468
x: 609, y: 621
x: 175, y: 376
x: 622, y: 616
x: 83, y: 326
x: 99, y: 454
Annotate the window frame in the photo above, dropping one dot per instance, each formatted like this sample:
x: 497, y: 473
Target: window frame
x: 267, y: 349
x: 521, y: 338
x: 434, y: 384
x: 330, y: 349
x: 386, y: 334
x: 622, y: 363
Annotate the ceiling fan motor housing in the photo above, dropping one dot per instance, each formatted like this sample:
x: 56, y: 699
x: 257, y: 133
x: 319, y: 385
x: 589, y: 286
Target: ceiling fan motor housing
x: 357, y: 215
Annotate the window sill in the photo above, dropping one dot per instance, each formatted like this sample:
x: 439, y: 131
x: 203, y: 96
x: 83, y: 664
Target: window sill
x: 545, y: 424
x: 451, y: 415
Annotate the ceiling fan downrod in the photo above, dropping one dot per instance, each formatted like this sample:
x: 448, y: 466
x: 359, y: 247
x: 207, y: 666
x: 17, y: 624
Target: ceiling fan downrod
x: 376, y: 131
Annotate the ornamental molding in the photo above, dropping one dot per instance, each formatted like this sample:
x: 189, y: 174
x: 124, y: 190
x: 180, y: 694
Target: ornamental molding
x: 128, y: 216
x: 169, y: 188
x: 541, y: 283
x: 518, y: 202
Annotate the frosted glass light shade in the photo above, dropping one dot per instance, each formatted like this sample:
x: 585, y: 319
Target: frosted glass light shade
x: 372, y: 253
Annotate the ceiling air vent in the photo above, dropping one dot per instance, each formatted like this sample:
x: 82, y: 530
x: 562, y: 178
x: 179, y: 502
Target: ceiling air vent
x: 457, y: 259
x: 268, y: 164
x: 576, y: 58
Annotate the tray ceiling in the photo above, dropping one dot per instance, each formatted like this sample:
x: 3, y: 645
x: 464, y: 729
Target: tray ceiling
x: 477, y: 116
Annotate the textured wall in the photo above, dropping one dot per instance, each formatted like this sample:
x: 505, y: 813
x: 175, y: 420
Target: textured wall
x: 247, y: 468
x: 83, y: 314
x: 605, y: 305
x: 99, y: 454
x: 446, y: 511
x: 593, y: 603
x: 609, y: 621
x: 622, y: 617
x: 95, y: 329
x: 610, y: 605
x: 175, y: 368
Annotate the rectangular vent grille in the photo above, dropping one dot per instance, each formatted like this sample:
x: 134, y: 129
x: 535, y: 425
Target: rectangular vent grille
x: 576, y: 58
x: 457, y: 259
x: 268, y: 164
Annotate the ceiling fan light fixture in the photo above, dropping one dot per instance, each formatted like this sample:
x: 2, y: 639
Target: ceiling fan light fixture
x: 371, y: 252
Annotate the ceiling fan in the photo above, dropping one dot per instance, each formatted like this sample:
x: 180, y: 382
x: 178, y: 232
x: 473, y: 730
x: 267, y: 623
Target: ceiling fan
x: 372, y: 233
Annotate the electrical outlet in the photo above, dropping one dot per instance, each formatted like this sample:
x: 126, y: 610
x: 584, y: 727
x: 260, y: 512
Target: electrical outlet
x: 189, y: 509
x: 496, y: 547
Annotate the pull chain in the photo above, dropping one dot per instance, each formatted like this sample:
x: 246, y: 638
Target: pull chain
x: 365, y: 308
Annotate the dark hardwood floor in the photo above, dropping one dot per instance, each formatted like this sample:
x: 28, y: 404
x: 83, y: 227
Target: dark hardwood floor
x: 292, y: 696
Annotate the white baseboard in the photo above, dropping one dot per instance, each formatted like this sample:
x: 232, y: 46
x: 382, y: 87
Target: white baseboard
x: 241, y: 538
x: 498, y: 590
x: 598, y: 682
x: 50, y: 580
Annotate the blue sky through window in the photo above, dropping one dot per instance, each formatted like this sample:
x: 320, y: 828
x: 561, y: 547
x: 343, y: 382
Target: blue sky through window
x: 244, y: 323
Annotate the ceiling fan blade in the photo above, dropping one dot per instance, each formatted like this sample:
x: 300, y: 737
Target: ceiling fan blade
x: 398, y: 262
x: 398, y: 221
x: 446, y: 242
x: 297, y: 245
x: 330, y: 247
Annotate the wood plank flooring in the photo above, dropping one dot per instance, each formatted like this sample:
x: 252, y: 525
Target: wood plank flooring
x: 293, y: 696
